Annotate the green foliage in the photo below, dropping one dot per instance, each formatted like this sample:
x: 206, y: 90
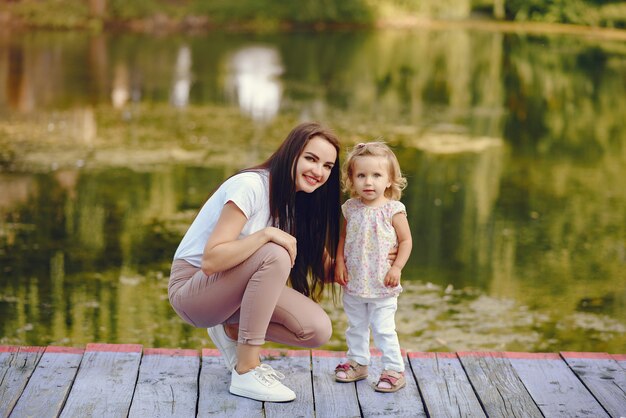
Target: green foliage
x: 140, y: 9
x: 301, y: 12
x: 272, y: 14
x: 54, y: 14
x: 613, y: 15
x: 580, y: 12
x: 132, y: 9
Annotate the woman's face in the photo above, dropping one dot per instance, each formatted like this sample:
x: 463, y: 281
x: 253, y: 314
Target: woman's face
x: 314, y: 165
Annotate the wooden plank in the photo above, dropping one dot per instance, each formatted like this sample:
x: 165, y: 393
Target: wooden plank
x: 105, y: 381
x: 296, y: 366
x: 444, y: 386
x: 497, y: 385
x: 403, y: 403
x: 16, y: 366
x: 167, y: 385
x: 7, y: 396
x: 215, y: 399
x: 603, y: 376
x: 332, y: 399
x: 50, y: 383
x: 620, y: 359
x: 554, y: 387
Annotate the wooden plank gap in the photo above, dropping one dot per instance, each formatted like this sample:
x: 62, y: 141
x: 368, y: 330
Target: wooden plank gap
x: 604, y: 377
x: 214, y: 398
x: 16, y: 368
x: 105, y: 382
x: 497, y: 385
x: 405, y: 402
x: 332, y: 399
x: 167, y: 384
x: 296, y: 366
x: 444, y: 386
x: 48, y: 388
x: 555, y: 388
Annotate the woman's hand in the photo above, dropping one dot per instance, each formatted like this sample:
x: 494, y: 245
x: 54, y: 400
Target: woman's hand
x: 341, y: 273
x: 393, y: 254
x: 285, y: 240
x: 224, y: 249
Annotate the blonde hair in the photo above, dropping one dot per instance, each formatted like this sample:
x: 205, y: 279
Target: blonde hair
x: 374, y: 149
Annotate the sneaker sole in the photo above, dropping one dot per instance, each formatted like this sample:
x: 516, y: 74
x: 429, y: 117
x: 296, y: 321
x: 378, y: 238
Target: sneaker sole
x: 260, y: 397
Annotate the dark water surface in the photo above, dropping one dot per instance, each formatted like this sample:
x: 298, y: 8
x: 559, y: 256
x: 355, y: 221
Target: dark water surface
x: 514, y: 147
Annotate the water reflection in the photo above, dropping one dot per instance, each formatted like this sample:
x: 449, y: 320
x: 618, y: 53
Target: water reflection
x: 254, y: 81
x: 459, y: 182
x: 511, y: 144
x: 182, y: 77
x: 120, y: 91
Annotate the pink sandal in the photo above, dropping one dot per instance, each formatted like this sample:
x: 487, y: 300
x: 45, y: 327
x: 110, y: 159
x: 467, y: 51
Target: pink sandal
x: 390, y: 381
x: 351, y: 371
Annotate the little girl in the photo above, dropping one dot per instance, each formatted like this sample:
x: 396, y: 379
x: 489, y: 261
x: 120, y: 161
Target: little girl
x: 375, y: 223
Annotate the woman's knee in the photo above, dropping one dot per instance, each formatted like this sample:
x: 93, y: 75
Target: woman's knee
x: 275, y: 256
x: 319, y: 332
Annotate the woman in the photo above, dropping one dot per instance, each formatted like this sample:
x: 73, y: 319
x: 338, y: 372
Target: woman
x: 264, y: 226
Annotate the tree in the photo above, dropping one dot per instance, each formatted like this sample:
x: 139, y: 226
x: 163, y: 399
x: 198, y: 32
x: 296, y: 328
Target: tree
x: 97, y: 8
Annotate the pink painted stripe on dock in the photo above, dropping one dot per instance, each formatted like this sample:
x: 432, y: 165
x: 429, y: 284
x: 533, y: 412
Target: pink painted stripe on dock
x: 115, y: 348
x: 619, y: 357
x: 64, y: 350
x: 210, y: 352
x: 377, y: 353
x: 574, y: 354
x: 531, y: 356
x: 170, y: 352
x: 510, y: 355
x: 421, y: 354
x: 496, y: 354
x: 21, y: 349
x: 325, y: 353
x: 276, y: 352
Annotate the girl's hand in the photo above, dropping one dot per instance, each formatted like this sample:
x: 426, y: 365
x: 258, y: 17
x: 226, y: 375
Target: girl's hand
x: 393, y: 254
x: 392, y: 279
x: 341, y: 273
x: 285, y: 240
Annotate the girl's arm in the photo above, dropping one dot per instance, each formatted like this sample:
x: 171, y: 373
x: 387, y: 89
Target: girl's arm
x: 405, y: 244
x: 224, y: 249
x: 341, y: 273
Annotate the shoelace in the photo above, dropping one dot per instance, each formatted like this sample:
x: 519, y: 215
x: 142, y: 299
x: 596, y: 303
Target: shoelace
x: 268, y: 374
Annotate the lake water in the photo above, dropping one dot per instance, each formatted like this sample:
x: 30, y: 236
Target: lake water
x: 514, y: 146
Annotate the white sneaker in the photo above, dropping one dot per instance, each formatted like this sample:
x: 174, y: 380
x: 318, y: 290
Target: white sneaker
x: 261, y: 384
x: 226, y: 345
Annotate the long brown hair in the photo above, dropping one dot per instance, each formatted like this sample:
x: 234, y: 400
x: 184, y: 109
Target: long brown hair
x: 313, y: 218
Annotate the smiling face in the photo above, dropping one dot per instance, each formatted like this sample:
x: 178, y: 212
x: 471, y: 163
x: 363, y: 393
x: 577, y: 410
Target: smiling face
x: 370, y: 179
x: 314, y: 165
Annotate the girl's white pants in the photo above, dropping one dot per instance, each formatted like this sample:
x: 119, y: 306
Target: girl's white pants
x: 377, y: 313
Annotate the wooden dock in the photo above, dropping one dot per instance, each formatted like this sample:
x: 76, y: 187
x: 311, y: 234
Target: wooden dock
x: 127, y: 380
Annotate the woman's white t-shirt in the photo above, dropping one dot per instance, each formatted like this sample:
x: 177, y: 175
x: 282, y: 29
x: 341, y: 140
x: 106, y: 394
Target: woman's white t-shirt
x: 249, y: 191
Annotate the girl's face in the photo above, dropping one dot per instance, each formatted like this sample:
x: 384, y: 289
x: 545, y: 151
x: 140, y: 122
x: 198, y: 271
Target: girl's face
x: 314, y: 165
x: 370, y: 179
